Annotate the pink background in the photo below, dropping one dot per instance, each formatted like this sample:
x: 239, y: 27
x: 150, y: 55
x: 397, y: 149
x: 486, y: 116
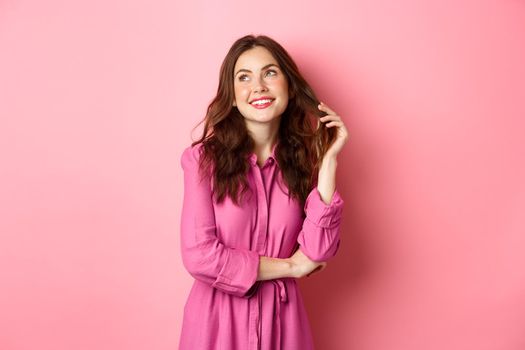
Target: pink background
x: 98, y: 99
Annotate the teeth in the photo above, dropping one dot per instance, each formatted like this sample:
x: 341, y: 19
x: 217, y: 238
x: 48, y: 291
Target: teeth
x: 261, y: 102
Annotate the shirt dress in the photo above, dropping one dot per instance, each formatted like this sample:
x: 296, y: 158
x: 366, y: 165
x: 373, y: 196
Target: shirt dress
x: 227, y: 309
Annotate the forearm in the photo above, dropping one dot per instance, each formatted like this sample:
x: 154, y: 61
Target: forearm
x: 272, y: 268
x: 326, y: 179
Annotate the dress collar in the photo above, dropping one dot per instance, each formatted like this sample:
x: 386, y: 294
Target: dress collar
x: 271, y: 158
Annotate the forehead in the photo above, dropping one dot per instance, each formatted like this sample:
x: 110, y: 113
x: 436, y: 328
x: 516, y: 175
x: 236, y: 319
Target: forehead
x: 254, y: 59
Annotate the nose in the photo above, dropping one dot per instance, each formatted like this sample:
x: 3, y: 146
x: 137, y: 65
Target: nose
x: 259, y: 85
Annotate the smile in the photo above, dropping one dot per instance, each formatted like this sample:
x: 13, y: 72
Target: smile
x: 261, y: 104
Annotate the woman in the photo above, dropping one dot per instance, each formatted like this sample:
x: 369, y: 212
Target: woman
x: 260, y: 206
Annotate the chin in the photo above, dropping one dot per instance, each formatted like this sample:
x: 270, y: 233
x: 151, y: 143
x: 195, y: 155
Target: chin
x: 256, y: 119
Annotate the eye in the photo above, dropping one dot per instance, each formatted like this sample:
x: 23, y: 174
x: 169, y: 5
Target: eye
x: 243, y: 77
x: 273, y: 72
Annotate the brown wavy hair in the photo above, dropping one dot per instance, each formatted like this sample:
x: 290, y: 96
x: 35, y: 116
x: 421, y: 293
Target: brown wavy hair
x: 227, y: 143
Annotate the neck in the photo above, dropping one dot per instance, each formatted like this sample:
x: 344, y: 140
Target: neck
x: 265, y: 136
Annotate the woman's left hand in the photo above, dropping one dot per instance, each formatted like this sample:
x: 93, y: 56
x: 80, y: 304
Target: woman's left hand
x: 331, y: 120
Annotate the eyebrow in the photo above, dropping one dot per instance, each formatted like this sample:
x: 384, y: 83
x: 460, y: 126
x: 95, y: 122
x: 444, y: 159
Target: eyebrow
x: 249, y: 71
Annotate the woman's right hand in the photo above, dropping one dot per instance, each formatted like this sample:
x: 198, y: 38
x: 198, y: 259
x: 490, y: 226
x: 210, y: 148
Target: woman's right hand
x: 303, y: 266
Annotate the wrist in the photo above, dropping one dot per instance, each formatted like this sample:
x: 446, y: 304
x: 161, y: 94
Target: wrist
x: 292, y: 268
x: 329, y: 159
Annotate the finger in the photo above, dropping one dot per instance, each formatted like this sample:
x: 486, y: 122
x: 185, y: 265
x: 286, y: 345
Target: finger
x: 330, y: 117
x: 334, y: 123
x: 313, y: 271
x: 341, y: 128
x: 325, y: 108
x: 319, y: 268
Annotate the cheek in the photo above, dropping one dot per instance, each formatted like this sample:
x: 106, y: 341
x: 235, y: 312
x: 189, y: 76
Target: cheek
x: 282, y: 85
x: 240, y: 92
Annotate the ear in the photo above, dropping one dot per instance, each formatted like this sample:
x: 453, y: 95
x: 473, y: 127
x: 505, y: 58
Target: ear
x: 234, y: 104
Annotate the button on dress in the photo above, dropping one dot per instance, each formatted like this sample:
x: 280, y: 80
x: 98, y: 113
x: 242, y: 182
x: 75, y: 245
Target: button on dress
x: 227, y: 309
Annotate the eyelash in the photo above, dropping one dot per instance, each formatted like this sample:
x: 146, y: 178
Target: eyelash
x: 269, y: 70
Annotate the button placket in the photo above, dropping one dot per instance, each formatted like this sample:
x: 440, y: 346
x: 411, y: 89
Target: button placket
x: 262, y: 209
x: 255, y: 302
x: 269, y: 169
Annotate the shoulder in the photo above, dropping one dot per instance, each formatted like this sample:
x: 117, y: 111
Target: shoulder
x: 190, y: 156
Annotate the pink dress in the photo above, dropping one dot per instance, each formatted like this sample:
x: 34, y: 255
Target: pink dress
x: 227, y: 308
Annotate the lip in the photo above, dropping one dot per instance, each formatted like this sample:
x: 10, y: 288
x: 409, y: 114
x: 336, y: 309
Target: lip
x: 262, y: 98
x: 263, y: 106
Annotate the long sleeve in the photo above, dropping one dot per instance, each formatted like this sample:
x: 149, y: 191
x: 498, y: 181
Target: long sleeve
x: 319, y: 237
x: 206, y: 258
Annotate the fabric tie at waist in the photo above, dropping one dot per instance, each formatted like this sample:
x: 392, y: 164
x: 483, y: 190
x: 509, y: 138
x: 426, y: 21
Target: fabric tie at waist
x: 281, y: 296
x: 280, y: 289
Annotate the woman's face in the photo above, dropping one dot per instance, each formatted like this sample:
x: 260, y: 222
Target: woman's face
x: 257, y: 75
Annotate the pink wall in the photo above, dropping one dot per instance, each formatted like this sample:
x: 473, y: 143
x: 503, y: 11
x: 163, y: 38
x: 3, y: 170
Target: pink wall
x: 97, y: 101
